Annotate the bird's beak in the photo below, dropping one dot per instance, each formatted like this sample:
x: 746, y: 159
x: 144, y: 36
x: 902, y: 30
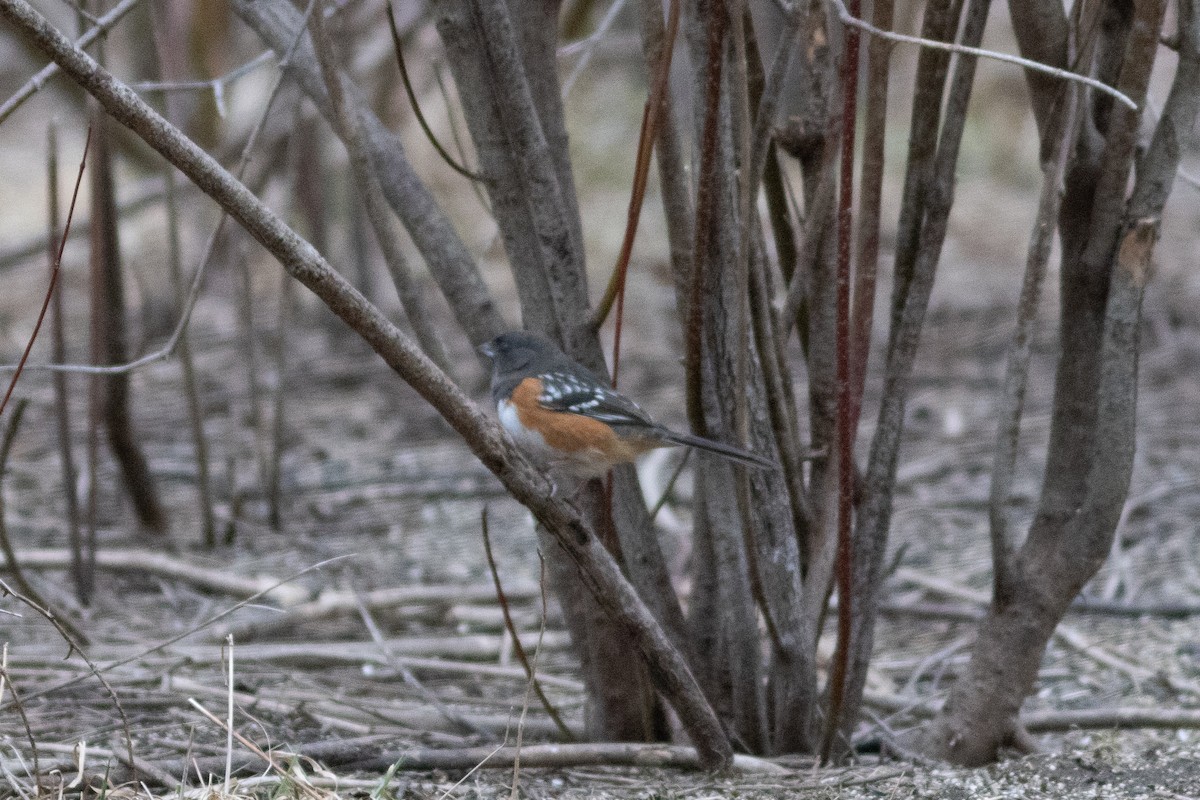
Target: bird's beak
x: 488, y: 349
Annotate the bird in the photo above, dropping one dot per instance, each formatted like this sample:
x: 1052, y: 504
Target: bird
x: 557, y: 410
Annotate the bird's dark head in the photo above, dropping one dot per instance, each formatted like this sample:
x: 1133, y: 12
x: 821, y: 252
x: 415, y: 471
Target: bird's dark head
x: 518, y: 350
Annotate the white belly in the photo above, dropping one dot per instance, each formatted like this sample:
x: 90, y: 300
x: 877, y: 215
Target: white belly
x: 580, y: 465
x: 527, y: 439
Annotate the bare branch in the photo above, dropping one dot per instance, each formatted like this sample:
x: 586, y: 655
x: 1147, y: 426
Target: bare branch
x: 50, y: 70
x: 847, y: 418
x: 518, y: 648
x: 587, y: 46
x: 769, y: 100
x: 516, y: 124
x: 412, y: 100
x: 1016, y: 373
x: 652, y: 119
x: 62, y: 397
x: 706, y: 204
x: 870, y: 198
x: 1045, y: 69
x: 191, y: 390
x: 6, y: 548
x: 54, y: 271
x: 215, y: 85
x: 1111, y: 718
x: 911, y: 301
x: 185, y: 316
x: 562, y: 756
x: 277, y: 22
x: 162, y: 565
x: 348, y: 126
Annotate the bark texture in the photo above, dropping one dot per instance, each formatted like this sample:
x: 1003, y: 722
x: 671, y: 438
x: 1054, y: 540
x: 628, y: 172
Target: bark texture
x: 1108, y: 245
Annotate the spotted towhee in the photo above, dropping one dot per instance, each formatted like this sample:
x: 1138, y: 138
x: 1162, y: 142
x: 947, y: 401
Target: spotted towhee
x: 555, y: 408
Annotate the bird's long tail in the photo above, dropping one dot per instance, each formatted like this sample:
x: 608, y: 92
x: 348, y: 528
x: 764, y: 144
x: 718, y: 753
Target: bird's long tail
x: 719, y: 448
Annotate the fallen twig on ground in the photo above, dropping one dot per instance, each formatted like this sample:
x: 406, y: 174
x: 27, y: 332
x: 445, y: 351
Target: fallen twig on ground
x: 451, y: 716
x: 561, y: 755
x: 511, y: 627
x: 333, y: 602
x: 480, y: 646
x: 149, y: 562
x: 1102, y: 718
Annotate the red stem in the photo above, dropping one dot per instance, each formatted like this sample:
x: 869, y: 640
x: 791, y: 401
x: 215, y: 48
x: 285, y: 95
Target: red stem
x: 845, y: 403
x: 651, y: 119
x: 53, y: 277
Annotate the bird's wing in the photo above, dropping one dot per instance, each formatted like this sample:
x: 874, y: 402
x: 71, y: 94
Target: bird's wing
x: 565, y: 392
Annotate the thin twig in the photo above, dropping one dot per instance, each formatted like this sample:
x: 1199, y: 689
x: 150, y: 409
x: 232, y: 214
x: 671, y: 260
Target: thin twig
x: 815, y: 219
x: 62, y: 397
x: 412, y: 680
x: 112, y: 665
x: 229, y: 717
x: 768, y: 102
x: 537, y: 651
x: 191, y: 392
x: 74, y: 645
x: 651, y: 121
x: 146, y: 770
x: 870, y: 199
x: 480, y: 763
x: 168, y: 349
x: 666, y: 492
x: 255, y: 749
x: 846, y: 421
x: 216, y: 85
x: 453, y: 124
x: 587, y: 45
x: 254, y: 391
x: 53, y: 275
x: 50, y: 70
x: 18, y: 703
x: 274, y: 485
x: 349, y: 129
x: 847, y: 18
x: 518, y: 648
x: 412, y: 101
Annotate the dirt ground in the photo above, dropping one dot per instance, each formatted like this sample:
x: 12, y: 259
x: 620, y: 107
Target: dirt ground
x: 373, y: 479
x: 380, y: 530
